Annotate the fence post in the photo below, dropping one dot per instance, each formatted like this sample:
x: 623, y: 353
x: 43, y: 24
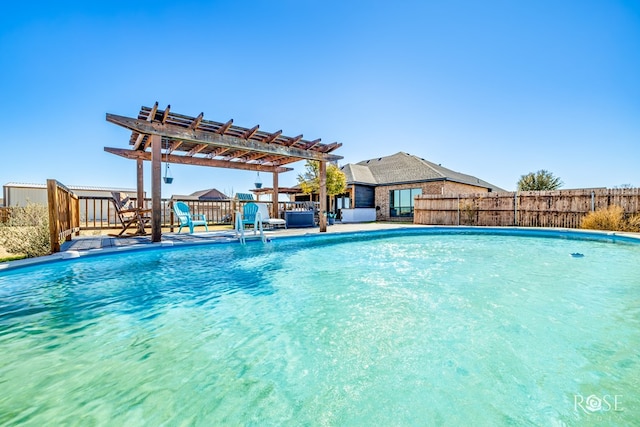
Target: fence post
x: 171, y: 216
x: 515, y: 208
x: 54, y: 228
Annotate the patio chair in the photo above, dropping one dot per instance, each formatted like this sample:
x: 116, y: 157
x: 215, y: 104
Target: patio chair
x: 249, y: 212
x: 130, y: 215
x: 266, y: 219
x: 186, y: 218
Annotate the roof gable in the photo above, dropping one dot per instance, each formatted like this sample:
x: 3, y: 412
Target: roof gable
x: 356, y: 173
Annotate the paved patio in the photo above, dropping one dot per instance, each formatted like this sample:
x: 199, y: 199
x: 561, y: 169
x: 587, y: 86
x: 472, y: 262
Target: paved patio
x: 92, y: 243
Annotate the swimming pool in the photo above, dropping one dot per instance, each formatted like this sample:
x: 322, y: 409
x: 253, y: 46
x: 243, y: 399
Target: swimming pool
x: 442, y: 326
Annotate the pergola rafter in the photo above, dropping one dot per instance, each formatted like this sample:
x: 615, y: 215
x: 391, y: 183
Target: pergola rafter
x: 196, y: 161
x: 196, y: 141
x: 224, y: 127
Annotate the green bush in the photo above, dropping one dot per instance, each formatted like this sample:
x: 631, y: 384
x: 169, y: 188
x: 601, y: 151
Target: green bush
x: 27, y: 231
x: 612, y: 219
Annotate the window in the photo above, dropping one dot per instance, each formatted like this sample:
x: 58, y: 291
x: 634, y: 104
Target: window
x: 401, y: 201
x: 343, y: 202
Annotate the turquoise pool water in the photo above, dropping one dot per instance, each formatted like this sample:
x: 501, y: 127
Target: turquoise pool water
x: 389, y: 329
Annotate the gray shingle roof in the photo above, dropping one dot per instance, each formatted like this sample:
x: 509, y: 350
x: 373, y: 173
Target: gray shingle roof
x: 358, y: 174
x: 403, y: 168
x: 210, y: 194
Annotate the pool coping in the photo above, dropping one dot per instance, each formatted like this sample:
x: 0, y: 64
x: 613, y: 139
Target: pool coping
x: 226, y: 237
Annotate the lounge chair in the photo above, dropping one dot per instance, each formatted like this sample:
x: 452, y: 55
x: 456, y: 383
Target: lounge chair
x: 186, y: 218
x: 271, y: 222
x: 130, y: 215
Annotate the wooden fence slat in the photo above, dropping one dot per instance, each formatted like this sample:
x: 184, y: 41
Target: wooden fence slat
x: 558, y: 208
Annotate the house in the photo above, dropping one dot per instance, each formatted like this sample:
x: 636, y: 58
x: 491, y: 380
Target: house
x: 209, y: 194
x: 384, y: 188
x: 210, y: 202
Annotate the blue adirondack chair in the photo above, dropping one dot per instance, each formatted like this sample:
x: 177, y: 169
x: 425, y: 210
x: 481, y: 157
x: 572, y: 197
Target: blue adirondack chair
x: 249, y: 214
x: 187, y: 219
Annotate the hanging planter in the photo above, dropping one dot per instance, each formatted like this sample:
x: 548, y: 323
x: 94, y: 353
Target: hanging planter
x: 168, y: 179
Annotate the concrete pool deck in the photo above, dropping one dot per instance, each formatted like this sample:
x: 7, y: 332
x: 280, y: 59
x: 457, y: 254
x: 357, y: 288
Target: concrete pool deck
x: 84, y: 243
x: 96, y: 244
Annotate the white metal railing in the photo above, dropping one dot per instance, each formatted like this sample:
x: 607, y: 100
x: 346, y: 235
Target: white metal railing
x: 257, y: 226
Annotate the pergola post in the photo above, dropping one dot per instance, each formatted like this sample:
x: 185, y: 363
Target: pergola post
x: 156, y: 188
x: 274, y: 197
x: 140, y: 182
x: 323, y: 197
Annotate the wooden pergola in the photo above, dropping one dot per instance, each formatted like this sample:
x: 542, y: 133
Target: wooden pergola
x: 164, y: 136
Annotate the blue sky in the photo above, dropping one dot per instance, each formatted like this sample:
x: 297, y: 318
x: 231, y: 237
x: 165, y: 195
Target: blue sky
x: 494, y: 89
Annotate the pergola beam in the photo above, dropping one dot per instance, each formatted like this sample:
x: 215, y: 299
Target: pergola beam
x: 199, y: 136
x: 198, y: 161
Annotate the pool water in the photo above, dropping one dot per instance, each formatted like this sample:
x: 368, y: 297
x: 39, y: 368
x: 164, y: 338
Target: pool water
x: 386, y: 329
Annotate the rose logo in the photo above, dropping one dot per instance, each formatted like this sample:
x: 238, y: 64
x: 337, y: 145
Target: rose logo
x: 594, y: 403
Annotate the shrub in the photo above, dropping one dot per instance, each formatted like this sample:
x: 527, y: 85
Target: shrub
x: 27, y: 231
x: 633, y: 223
x: 611, y: 218
x: 468, y: 213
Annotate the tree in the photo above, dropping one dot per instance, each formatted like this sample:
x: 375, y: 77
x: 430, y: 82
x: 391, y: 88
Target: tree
x: 539, y: 181
x: 310, y: 180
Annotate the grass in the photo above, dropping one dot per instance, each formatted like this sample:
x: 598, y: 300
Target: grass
x: 12, y: 258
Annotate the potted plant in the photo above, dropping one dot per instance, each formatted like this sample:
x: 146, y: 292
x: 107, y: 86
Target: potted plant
x: 331, y: 217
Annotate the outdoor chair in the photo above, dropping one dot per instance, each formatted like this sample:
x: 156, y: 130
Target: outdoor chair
x: 249, y: 212
x: 130, y: 215
x: 266, y: 219
x: 186, y: 218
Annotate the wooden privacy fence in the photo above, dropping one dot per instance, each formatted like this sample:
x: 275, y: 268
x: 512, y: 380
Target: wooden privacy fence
x: 64, y: 213
x: 4, y: 214
x: 560, y: 208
